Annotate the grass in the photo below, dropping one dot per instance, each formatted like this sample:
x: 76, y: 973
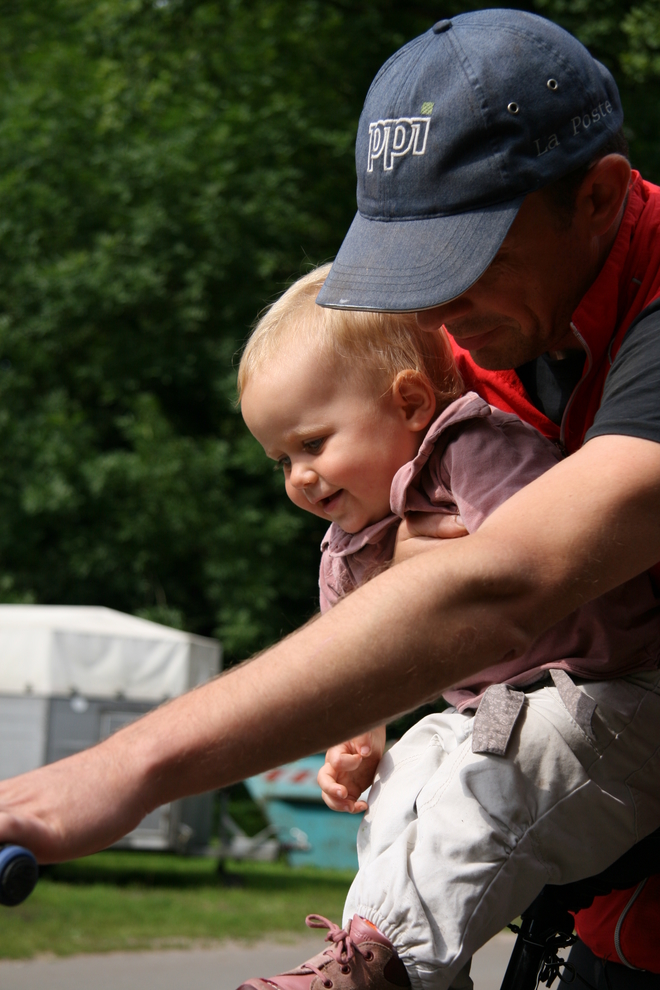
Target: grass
x: 125, y: 900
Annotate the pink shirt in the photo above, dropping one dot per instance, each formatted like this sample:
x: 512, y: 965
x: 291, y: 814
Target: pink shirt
x: 473, y: 458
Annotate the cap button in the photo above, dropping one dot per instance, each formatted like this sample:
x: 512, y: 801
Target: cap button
x: 441, y: 26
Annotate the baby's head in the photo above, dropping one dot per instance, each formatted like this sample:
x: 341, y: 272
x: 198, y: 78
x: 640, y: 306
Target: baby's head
x: 342, y: 399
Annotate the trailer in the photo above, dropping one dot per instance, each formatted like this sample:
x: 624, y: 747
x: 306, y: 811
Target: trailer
x: 291, y: 800
x: 72, y: 675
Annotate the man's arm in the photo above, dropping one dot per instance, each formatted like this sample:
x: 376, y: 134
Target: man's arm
x: 584, y: 527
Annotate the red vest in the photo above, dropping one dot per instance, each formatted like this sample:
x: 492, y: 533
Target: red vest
x: 628, y: 282
x: 624, y: 926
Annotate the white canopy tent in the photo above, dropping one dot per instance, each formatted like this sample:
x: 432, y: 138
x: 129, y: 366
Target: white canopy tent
x: 60, y: 650
x: 72, y: 675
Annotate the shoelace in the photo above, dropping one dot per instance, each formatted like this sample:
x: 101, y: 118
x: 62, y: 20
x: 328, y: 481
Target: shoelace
x: 343, y: 950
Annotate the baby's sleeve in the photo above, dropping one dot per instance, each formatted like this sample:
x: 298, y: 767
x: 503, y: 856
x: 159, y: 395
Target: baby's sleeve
x: 491, y: 458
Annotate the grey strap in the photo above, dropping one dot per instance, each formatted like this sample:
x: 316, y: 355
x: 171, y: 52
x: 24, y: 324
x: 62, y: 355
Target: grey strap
x: 496, y: 716
x: 579, y: 705
x: 617, y: 931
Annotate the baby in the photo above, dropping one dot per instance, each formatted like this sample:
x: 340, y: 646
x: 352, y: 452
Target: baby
x: 470, y: 815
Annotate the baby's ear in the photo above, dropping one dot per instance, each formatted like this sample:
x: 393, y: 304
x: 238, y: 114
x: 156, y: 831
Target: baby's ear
x: 413, y: 394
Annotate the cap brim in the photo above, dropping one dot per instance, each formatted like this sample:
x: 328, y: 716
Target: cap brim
x: 401, y: 265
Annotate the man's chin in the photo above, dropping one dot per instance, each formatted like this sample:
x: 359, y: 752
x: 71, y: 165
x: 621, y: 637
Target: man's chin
x: 494, y: 364
x: 491, y: 359
x: 501, y: 357
x: 492, y: 350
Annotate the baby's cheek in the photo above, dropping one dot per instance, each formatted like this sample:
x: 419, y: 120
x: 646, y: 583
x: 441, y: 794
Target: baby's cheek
x: 294, y: 494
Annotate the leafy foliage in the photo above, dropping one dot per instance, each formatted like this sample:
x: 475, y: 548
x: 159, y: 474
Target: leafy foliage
x: 165, y: 167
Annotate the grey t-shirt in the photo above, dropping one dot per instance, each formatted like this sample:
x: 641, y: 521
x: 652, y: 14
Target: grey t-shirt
x: 631, y: 397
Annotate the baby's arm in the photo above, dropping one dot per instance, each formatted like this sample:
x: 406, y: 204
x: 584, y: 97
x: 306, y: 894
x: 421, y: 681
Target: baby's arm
x: 485, y: 463
x: 349, y: 769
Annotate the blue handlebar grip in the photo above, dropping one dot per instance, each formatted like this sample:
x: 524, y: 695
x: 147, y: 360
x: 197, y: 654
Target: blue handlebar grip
x: 18, y: 874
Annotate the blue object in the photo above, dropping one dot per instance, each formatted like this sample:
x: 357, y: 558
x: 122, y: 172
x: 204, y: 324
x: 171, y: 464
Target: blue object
x: 457, y: 128
x: 291, y: 800
x: 18, y: 874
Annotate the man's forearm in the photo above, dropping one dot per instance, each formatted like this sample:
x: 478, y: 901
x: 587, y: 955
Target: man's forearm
x: 387, y: 648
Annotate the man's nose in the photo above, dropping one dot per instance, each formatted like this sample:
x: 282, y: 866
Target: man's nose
x: 302, y: 475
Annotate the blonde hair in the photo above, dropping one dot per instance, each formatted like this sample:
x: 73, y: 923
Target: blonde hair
x: 381, y: 343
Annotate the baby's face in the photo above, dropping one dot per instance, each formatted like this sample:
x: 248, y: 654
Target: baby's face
x: 339, y: 443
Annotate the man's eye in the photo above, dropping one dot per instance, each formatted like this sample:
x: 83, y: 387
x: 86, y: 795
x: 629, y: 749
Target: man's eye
x: 313, y: 446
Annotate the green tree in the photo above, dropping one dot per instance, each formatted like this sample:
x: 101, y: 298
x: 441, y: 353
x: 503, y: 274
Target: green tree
x: 165, y: 168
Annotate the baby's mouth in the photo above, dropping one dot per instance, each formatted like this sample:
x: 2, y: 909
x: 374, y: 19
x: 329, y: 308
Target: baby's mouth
x: 330, y: 501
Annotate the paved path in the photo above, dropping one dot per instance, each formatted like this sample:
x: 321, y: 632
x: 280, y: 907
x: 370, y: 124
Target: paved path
x: 199, y: 969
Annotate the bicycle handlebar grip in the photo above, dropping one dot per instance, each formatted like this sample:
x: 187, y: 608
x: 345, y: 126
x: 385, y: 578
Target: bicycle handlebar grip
x: 18, y: 874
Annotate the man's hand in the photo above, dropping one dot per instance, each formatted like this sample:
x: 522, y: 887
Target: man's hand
x: 349, y: 769
x: 76, y: 806
x: 418, y: 532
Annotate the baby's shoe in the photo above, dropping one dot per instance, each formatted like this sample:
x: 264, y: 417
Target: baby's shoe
x: 359, y: 958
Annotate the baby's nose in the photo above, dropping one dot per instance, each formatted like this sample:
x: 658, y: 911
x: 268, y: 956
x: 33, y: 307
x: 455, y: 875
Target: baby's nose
x: 302, y: 476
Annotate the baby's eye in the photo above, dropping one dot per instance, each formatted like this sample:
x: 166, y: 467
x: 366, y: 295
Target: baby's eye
x: 313, y: 446
x: 283, y: 463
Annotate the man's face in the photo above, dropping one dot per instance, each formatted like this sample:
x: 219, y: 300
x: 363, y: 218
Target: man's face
x: 523, y: 303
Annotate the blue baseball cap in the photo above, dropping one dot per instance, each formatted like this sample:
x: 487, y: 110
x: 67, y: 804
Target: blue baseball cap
x: 458, y: 127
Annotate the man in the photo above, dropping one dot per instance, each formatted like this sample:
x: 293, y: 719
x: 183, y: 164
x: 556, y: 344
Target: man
x: 542, y: 302
x: 464, y: 135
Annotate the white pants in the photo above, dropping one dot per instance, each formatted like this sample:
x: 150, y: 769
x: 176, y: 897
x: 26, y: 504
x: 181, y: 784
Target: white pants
x: 456, y: 844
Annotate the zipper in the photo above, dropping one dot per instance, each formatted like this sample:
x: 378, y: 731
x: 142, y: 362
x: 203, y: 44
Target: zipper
x: 562, y: 428
x: 617, y: 930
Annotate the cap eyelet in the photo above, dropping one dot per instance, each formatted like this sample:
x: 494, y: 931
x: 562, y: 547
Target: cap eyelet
x: 346, y: 969
x: 327, y: 983
x: 552, y: 84
x: 513, y: 108
x: 368, y: 956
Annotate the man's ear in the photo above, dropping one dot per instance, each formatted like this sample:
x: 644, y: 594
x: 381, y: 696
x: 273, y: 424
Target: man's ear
x: 602, y: 194
x: 413, y: 394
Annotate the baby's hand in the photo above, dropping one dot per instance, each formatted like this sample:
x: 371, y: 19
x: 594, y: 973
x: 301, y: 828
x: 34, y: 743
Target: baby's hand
x: 349, y: 769
x: 420, y: 531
